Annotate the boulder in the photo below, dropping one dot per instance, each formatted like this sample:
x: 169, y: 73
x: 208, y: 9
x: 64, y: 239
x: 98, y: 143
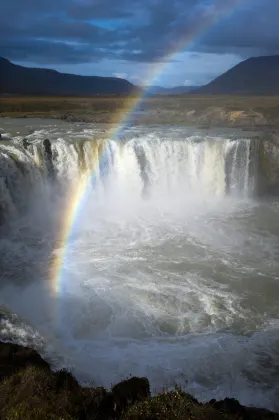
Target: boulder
x: 65, y: 380
x: 229, y: 405
x: 47, y: 148
x: 14, y: 357
x: 129, y: 392
x: 25, y: 143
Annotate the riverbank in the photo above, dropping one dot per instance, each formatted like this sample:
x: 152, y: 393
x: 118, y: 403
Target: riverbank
x: 30, y: 390
x: 206, y: 111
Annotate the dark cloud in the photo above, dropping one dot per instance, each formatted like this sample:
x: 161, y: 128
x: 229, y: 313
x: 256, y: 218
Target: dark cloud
x: 102, y: 9
x: 251, y: 30
x: 53, y: 52
x: 83, y: 31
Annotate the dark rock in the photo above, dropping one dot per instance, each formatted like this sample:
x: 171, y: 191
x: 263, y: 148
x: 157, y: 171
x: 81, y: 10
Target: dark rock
x: 47, y: 147
x: 49, y: 156
x: 36, y: 392
x: 65, y: 380
x: 99, y: 403
x: 231, y: 408
x: 268, y: 165
x: 14, y: 357
x: 25, y: 143
x: 229, y: 405
x: 130, y: 391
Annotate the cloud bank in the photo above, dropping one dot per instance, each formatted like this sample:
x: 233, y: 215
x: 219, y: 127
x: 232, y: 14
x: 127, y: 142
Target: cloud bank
x: 135, y: 33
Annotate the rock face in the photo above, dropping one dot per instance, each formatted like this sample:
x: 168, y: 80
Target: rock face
x: 25, y: 143
x: 29, y: 390
x: 14, y: 357
x: 48, y: 154
x: 47, y: 147
x: 268, y: 165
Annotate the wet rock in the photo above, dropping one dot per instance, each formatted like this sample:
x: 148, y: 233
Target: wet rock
x: 129, y: 392
x: 47, y: 148
x: 14, y: 357
x: 26, y: 143
x: 268, y: 165
x: 49, y: 156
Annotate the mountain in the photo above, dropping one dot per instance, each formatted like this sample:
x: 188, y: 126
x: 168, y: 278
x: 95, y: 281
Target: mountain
x: 177, y: 90
x: 16, y: 79
x: 255, y: 76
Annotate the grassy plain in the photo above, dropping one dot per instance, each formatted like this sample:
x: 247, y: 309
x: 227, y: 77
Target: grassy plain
x: 186, y: 109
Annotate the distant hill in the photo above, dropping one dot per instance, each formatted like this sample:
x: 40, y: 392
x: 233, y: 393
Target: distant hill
x: 255, y: 76
x: 177, y: 90
x: 16, y: 79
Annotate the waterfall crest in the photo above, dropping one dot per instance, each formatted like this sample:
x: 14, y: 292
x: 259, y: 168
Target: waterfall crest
x: 142, y: 166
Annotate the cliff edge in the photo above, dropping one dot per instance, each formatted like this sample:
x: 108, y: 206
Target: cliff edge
x: 30, y: 390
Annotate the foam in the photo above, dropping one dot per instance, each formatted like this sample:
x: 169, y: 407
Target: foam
x: 176, y: 286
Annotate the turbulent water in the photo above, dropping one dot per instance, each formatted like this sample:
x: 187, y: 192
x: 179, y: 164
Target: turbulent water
x: 172, y: 266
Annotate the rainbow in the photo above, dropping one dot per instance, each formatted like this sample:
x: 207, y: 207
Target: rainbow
x: 77, y: 196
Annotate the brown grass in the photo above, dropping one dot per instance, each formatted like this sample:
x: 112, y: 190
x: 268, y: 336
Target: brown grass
x: 161, y: 109
x: 25, y: 104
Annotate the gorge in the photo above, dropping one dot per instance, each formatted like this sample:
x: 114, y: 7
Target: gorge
x: 152, y: 253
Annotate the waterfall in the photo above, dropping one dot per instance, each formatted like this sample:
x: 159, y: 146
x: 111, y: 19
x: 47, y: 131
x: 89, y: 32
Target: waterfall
x: 141, y: 166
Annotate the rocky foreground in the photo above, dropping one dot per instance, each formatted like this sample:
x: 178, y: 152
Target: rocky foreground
x: 30, y: 390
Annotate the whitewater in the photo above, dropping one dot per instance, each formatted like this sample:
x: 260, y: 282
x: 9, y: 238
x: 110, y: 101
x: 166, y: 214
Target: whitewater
x: 172, y: 266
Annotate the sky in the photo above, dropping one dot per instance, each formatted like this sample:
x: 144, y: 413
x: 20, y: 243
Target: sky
x: 159, y: 42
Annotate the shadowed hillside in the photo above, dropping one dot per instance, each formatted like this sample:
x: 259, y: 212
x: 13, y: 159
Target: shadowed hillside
x: 16, y: 79
x: 255, y: 76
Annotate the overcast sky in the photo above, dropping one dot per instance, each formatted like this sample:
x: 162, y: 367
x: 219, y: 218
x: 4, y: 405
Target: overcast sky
x: 164, y: 42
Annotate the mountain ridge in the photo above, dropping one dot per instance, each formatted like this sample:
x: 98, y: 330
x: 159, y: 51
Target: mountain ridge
x: 254, y: 76
x: 16, y: 79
